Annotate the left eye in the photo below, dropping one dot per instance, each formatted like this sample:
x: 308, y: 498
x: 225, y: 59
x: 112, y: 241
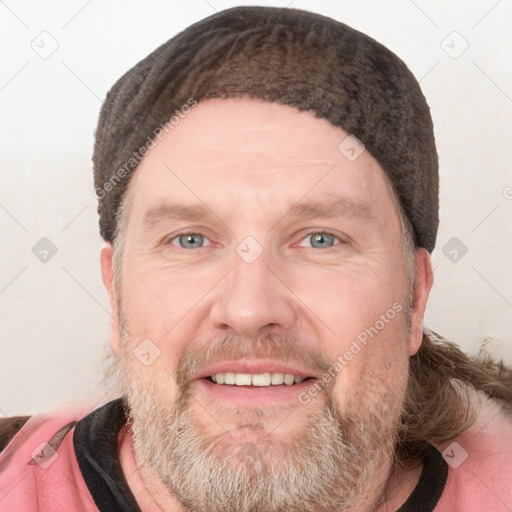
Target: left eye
x: 319, y: 240
x: 190, y: 241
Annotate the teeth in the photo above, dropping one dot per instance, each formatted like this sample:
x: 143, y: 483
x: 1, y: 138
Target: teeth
x: 289, y: 379
x: 229, y: 378
x: 256, y: 379
x: 261, y: 379
x: 242, y: 379
x: 277, y: 379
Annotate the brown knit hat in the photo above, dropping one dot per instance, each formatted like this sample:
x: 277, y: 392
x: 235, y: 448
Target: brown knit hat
x: 287, y: 56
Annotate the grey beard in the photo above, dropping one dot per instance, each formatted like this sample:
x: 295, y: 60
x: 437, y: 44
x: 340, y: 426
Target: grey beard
x: 335, y: 461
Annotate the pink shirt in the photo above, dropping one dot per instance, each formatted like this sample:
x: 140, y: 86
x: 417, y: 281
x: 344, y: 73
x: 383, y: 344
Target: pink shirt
x: 36, y: 477
x: 480, y: 460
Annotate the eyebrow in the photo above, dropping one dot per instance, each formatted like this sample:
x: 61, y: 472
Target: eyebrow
x: 167, y: 211
x: 339, y: 207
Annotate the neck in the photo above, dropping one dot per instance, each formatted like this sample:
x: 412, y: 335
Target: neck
x: 398, y: 488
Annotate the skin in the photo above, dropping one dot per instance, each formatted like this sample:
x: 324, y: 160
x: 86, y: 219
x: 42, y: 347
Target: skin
x: 248, y: 162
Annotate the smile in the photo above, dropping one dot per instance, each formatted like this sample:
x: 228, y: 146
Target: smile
x: 256, y: 379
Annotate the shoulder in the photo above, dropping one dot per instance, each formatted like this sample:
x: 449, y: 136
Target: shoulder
x: 480, y: 462
x: 38, y: 467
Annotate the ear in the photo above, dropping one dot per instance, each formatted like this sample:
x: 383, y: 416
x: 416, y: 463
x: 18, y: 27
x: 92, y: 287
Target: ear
x: 423, y: 280
x: 108, y: 280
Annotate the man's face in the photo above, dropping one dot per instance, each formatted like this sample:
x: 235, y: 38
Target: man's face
x: 256, y: 250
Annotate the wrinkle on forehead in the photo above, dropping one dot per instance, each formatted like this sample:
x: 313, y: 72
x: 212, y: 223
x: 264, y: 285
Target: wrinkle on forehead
x: 266, y: 153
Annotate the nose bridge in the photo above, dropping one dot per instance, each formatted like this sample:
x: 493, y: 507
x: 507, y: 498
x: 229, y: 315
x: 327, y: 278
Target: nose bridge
x: 250, y: 279
x: 252, y: 299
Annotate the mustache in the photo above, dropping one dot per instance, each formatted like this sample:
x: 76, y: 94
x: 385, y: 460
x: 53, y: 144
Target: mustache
x: 200, y: 353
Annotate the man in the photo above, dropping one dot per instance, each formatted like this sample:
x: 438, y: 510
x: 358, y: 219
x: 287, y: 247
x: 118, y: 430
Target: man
x: 268, y: 191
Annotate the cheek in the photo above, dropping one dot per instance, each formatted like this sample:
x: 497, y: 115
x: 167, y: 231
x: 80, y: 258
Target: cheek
x: 374, y: 362
x: 159, y: 298
x: 345, y: 301
x: 161, y: 309
x: 359, y: 316
x: 148, y: 364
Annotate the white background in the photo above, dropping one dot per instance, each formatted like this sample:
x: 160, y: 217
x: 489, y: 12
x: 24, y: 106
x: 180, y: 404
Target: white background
x: 54, y: 315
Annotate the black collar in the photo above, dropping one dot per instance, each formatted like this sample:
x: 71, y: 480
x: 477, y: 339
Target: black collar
x: 95, y: 442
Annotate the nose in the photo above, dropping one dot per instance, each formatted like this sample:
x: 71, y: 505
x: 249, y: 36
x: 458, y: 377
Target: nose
x: 253, y: 300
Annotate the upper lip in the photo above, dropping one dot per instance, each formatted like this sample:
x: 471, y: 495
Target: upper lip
x: 257, y: 366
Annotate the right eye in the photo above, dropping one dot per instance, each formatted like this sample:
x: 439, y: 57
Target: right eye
x: 190, y: 241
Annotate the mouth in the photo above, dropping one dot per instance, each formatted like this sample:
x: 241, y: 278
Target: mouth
x: 254, y: 383
x: 261, y: 380
x: 256, y: 373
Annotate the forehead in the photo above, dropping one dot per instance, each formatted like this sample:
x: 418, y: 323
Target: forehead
x: 255, y: 156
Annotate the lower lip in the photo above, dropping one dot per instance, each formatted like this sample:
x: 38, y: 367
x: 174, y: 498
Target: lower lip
x: 256, y: 396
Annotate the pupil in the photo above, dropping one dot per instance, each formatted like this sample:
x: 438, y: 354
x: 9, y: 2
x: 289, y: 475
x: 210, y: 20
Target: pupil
x: 188, y: 241
x: 320, y: 240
